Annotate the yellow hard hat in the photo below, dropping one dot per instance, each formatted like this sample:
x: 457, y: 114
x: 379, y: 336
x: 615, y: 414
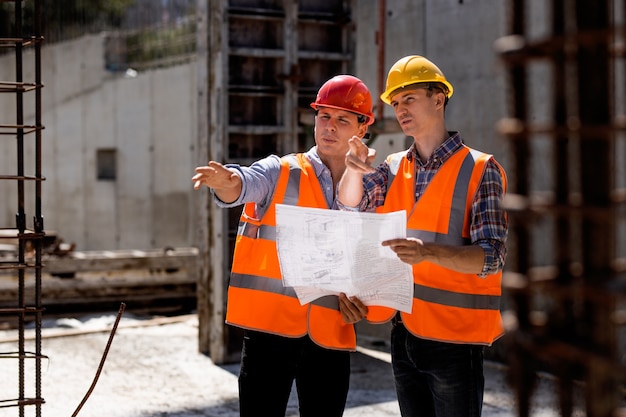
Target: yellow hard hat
x: 414, y: 69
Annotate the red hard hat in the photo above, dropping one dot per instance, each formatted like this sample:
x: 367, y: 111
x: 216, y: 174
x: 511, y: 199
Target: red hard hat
x: 346, y: 92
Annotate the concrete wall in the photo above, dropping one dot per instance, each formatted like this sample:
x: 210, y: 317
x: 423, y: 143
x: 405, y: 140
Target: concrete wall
x: 458, y: 37
x: 149, y: 120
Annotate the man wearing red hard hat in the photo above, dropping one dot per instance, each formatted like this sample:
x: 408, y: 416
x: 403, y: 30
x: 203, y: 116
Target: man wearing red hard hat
x: 283, y: 340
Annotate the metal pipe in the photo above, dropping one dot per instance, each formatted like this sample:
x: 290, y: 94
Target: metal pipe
x: 381, y: 41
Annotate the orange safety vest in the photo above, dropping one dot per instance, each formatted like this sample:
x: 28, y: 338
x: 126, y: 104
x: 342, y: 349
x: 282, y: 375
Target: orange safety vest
x: 257, y: 299
x: 448, y: 306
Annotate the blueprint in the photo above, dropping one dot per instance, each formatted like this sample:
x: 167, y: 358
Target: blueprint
x: 325, y: 252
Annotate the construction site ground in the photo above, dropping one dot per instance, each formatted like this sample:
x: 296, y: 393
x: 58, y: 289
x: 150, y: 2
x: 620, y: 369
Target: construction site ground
x: 153, y: 368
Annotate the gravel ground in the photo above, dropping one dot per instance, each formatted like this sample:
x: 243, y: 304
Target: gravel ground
x: 153, y: 369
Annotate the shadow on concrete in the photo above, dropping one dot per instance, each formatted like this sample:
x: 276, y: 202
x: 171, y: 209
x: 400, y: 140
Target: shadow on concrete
x: 371, y: 384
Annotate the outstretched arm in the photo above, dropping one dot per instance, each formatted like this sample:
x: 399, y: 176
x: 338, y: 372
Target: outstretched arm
x: 226, y: 184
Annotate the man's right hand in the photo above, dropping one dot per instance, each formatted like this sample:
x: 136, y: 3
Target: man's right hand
x: 352, y: 309
x: 358, y: 162
x: 225, y: 182
x: 359, y: 157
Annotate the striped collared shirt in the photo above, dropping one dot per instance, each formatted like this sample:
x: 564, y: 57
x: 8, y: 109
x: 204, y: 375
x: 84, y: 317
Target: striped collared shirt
x: 488, y: 225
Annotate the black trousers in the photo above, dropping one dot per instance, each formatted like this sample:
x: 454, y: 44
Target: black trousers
x: 270, y: 364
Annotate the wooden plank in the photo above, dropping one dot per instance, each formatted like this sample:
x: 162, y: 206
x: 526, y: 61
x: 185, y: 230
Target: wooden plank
x: 121, y: 260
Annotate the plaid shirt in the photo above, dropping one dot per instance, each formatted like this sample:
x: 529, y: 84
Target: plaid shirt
x: 488, y: 225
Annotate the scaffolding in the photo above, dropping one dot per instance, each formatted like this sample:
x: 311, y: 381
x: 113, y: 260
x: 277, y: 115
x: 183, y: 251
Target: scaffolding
x: 566, y: 273
x: 23, y: 138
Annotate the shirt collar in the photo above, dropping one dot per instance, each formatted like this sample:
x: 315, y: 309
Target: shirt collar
x: 316, y: 161
x: 442, y: 152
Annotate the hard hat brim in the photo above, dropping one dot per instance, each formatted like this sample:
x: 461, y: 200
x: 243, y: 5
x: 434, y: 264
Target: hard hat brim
x: 388, y: 94
x: 369, y: 118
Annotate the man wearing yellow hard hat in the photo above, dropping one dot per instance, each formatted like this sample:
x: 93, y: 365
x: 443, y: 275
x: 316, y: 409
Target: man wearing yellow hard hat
x: 456, y: 237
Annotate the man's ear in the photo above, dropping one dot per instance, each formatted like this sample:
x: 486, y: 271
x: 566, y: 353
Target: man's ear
x: 441, y: 99
x: 362, y: 130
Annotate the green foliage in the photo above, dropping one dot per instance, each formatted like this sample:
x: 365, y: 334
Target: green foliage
x: 151, y: 46
x: 63, y: 19
x: 161, y: 46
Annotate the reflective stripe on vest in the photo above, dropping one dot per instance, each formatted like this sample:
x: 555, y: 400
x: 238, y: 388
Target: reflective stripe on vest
x: 276, y: 286
x: 254, y: 231
x: 455, y: 299
x: 257, y: 298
